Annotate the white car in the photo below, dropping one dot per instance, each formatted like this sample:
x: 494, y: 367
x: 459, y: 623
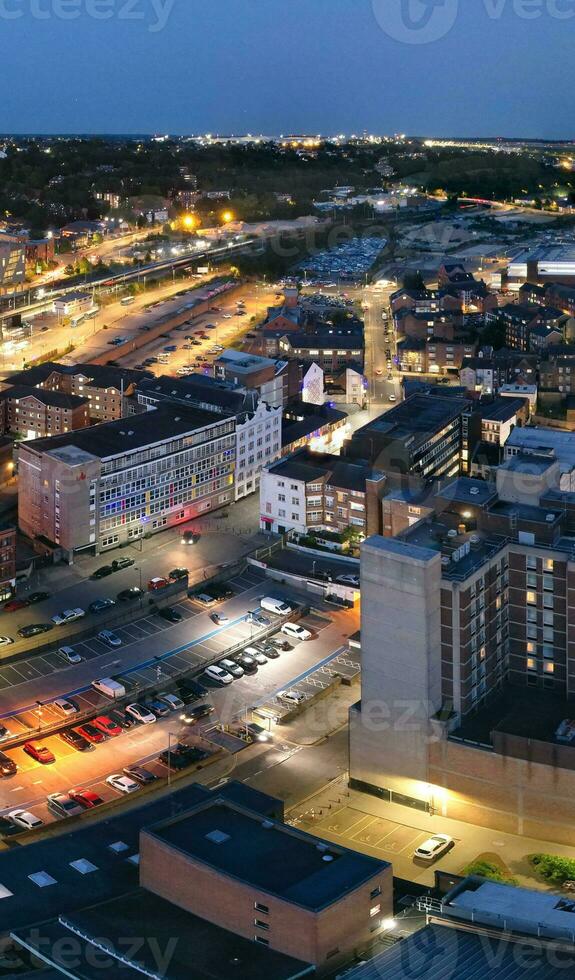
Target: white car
x: 123, y: 784
x: 295, y: 631
x: 70, y: 655
x: 434, y: 847
x: 141, y: 714
x: 219, y: 619
x: 25, y: 819
x: 109, y: 638
x: 206, y: 600
x: 348, y: 580
x: 68, y: 616
x: 218, y: 674
x: 65, y: 707
x: 172, y: 700
x: 291, y: 697
x: 5, y: 641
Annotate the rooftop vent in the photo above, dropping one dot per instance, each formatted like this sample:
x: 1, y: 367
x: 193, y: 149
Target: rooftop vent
x: 328, y: 858
x: 452, y: 533
x: 474, y: 491
x: 217, y: 837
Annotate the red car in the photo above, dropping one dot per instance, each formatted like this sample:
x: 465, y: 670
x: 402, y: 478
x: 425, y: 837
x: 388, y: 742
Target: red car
x: 93, y: 734
x: 14, y: 604
x: 85, y: 797
x: 107, y: 726
x: 39, y: 752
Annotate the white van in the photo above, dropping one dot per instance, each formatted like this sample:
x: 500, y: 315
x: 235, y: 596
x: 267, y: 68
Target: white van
x: 110, y: 688
x: 277, y: 606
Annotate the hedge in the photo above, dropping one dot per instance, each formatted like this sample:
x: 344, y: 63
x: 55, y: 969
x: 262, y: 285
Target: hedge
x: 553, y: 868
x: 486, y: 869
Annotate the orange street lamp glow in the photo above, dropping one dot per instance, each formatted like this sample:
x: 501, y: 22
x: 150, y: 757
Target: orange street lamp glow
x: 227, y: 216
x: 189, y: 221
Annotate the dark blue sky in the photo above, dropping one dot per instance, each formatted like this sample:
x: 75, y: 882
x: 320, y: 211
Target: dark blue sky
x: 277, y: 66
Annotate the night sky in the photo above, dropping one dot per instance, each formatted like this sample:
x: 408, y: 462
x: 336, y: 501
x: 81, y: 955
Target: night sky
x: 284, y: 66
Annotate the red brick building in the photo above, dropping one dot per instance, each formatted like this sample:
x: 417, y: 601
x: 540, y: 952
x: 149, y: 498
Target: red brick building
x: 267, y: 881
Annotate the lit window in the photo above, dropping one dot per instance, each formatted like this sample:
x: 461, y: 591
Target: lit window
x: 374, y: 910
x: 531, y: 598
x: 531, y: 663
x: 548, y: 565
x: 549, y: 667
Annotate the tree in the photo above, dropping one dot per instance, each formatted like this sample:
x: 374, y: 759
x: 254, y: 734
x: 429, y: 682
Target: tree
x: 413, y: 280
x: 494, y: 334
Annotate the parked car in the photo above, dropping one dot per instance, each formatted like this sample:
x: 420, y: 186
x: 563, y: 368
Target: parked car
x: 123, y: 784
x: 246, y: 662
x: 25, y: 820
x: 68, y: 616
x: 348, y: 580
x: 178, y: 573
x: 13, y: 605
x: 157, y: 583
x: 280, y: 643
x: 39, y: 752
x: 219, y: 619
x: 106, y: 725
x: 172, y: 700
x: 63, y: 806
x: 91, y: 733
x: 291, y: 697
x: 216, y: 673
x: 122, y: 719
x: 171, y: 615
x: 203, y: 598
x: 157, y: 707
x: 6, y: 641
x: 296, y: 632
x: 109, y: 638
x: 7, y: 765
x: 35, y: 629
x: 236, y: 670
x: 259, y: 619
x: 257, y: 655
x: 74, y: 739
x: 140, y: 713
x: 434, y: 847
x: 7, y: 828
x: 70, y: 655
x: 128, y: 595
x: 102, y: 572
x: 100, y: 605
x: 119, y: 563
x: 191, y: 690
x: 140, y: 774
x: 5, y: 733
x: 65, y: 707
x: 191, y: 716
x: 269, y: 651
x: 85, y: 797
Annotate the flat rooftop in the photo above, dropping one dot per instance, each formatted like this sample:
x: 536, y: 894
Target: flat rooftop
x: 270, y: 856
x: 529, y: 713
x: 192, y: 948
x: 110, y: 846
x: 416, y: 419
x: 110, y: 439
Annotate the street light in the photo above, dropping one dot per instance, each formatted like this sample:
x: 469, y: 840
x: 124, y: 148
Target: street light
x: 227, y: 216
